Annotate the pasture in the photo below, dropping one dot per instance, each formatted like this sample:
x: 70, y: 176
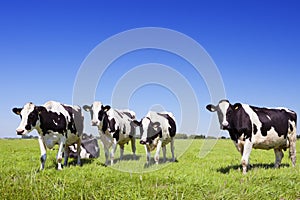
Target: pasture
x: 216, y: 176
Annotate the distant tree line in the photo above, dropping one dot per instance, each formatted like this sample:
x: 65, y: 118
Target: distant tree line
x: 178, y: 136
x: 29, y: 137
x: 195, y: 136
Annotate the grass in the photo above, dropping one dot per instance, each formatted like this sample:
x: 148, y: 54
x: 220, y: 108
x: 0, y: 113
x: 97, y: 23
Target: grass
x: 214, y: 176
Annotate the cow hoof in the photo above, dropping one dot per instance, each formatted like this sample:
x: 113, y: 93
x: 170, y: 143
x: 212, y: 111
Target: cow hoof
x: 156, y: 158
x: 39, y: 170
x: 59, y: 166
x: 244, y: 170
x: 146, y: 165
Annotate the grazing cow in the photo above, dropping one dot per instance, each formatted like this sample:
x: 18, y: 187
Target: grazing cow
x: 114, y: 126
x: 89, y: 148
x: 157, y: 130
x: 56, y: 123
x: 260, y: 128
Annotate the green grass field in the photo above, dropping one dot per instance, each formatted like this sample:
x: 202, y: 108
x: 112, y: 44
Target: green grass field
x: 215, y: 176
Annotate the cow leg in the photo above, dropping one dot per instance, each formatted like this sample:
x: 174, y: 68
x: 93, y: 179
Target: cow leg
x: 292, y: 150
x: 112, y: 153
x: 148, y: 154
x: 59, y: 155
x: 66, y: 155
x: 133, y: 148
x: 156, y: 157
x: 278, y: 157
x: 172, y: 149
x: 43, y: 152
x: 246, y: 155
x: 164, y: 150
x: 78, y: 152
x: 106, y: 151
x: 121, y: 151
x: 239, y: 146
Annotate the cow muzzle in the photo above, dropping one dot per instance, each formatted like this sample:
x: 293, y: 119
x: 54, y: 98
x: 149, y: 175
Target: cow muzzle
x: 94, y: 123
x: 225, y: 126
x: 20, y: 132
x: 142, y: 142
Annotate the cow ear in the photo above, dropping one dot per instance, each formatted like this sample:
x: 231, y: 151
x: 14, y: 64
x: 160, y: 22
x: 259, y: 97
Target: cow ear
x: 136, y: 123
x: 211, y: 108
x: 156, y: 125
x: 17, y: 111
x: 105, y: 108
x: 237, y: 106
x: 40, y: 109
x: 87, y: 108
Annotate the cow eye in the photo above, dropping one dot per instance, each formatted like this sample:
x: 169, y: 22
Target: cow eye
x: 31, y: 117
x: 100, y: 115
x: 229, y: 112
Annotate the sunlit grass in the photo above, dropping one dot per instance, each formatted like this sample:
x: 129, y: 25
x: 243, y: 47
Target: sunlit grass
x: 215, y: 176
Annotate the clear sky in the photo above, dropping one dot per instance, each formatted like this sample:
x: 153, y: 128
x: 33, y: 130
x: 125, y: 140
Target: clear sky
x: 254, y: 44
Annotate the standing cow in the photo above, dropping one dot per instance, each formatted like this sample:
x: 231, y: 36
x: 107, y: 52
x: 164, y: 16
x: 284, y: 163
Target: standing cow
x: 114, y: 126
x: 56, y: 123
x: 89, y: 148
x: 157, y: 130
x: 260, y: 128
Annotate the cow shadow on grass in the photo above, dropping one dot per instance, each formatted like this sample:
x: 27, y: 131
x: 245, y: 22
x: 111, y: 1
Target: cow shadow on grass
x: 152, y: 162
x: 84, y: 161
x: 71, y: 162
x: 226, y: 170
x: 127, y: 157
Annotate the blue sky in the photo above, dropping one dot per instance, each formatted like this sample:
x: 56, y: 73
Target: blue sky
x: 254, y: 44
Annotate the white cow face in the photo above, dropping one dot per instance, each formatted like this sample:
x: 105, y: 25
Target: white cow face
x: 83, y: 153
x: 29, y: 118
x: 224, y: 110
x: 94, y: 110
x: 149, y: 130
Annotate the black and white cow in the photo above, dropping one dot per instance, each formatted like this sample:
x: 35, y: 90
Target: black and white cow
x: 114, y: 126
x: 260, y: 128
x: 56, y: 123
x: 157, y: 130
x: 89, y: 148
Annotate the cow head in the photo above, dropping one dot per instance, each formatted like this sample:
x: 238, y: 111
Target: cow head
x: 148, y: 130
x: 94, y: 110
x: 226, y: 113
x: 103, y: 112
x: 29, y: 118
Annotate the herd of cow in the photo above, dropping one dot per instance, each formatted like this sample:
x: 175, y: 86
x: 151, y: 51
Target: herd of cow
x: 248, y: 126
